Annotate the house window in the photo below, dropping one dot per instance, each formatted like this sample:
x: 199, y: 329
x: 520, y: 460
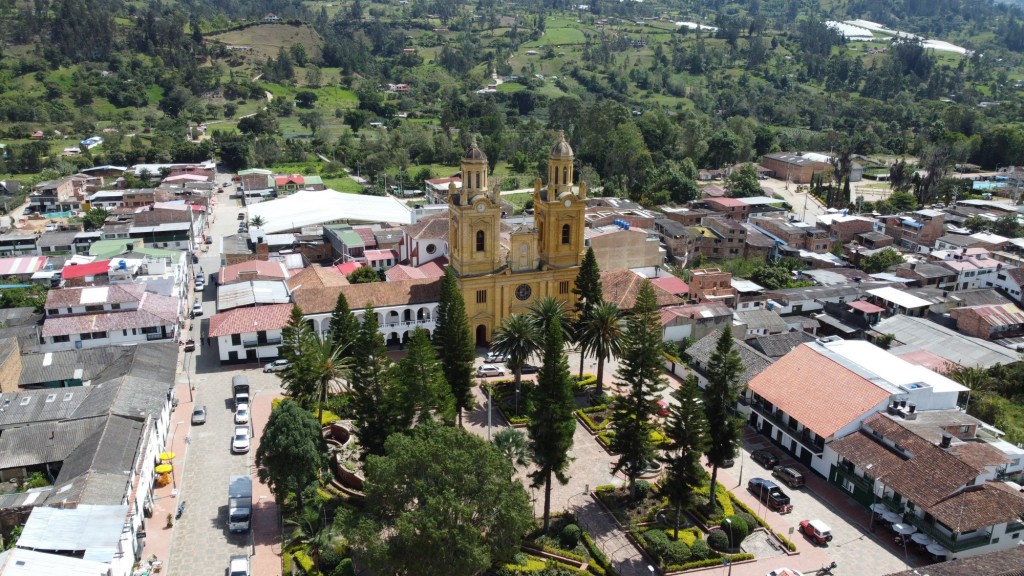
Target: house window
x: 53, y: 311
x: 848, y: 486
x: 115, y: 306
x: 563, y: 287
x: 94, y: 308
x: 64, y: 338
x: 481, y: 296
x: 236, y: 339
x: 98, y: 335
x: 479, y: 240
x: 566, y: 233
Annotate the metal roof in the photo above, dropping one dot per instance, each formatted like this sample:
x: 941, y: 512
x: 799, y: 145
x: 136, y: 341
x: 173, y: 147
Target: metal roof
x: 921, y: 334
x: 19, y: 562
x: 99, y: 470
x: 44, y: 443
x: 96, y: 530
x: 253, y: 292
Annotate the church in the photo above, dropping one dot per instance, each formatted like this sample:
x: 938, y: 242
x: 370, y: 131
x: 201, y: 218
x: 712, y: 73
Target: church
x: 503, y: 269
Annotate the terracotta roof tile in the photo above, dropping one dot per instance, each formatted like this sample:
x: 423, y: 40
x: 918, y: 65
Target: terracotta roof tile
x: 154, y: 310
x: 1008, y: 562
x: 254, y: 319
x: 433, y: 226
x: 432, y: 269
x: 110, y: 294
x: 621, y: 286
x: 980, y: 506
x: 820, y: 393
x: 377, y: 294
x: 980, y: 454
x: 317, y: 277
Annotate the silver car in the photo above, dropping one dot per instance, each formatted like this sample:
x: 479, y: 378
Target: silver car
x: 276, y: 365
x: 489, y: 370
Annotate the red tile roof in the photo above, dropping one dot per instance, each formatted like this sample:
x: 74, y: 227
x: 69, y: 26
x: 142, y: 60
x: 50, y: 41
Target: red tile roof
x: 865, y: 307
x: 283, y: 179
x: 432, y: 269
x: 317, y: 277
x: 820, y: 393
x: 154, y: 310
x: 377, y: 294
x: 246, y: 320
x: 82, y: 270
x: 621, y: 287
x: 348, y: 267
x: 367, y: 236
x: 725, y: 202
x: 671, y: 284
x: 252, y: 270
x: 977, y: 507
x: 374, y: 255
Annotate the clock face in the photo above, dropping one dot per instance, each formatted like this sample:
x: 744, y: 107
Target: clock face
x: 568, y: 203
x: 523, y: 292
x: 480, y: 207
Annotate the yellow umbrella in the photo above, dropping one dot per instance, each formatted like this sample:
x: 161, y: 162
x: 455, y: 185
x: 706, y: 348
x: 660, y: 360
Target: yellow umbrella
x: 163, y: 468
x: 167, y: 455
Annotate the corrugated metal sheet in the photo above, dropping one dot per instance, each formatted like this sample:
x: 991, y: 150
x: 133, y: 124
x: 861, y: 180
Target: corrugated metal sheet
x: 94, y: 529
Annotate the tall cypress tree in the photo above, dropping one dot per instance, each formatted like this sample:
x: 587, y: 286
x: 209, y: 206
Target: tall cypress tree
x: 640, y: 368
x: 454, y: 341
x: 422, y: 380
x: 552, y: 425
x: 589, y: 293
x: 724, y: 369
x: 379, y: 407
x: 687, y: 433
x: 343, y: 326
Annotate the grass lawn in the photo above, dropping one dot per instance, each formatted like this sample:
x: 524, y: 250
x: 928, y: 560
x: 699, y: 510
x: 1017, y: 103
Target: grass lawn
x: 517, y: 200
x: 343, y: 184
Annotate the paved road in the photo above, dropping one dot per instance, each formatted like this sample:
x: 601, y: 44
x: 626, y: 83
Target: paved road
x: 201, y: 543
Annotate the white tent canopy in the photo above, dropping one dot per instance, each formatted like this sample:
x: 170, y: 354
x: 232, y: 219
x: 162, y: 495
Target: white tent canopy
x: 317, y: 207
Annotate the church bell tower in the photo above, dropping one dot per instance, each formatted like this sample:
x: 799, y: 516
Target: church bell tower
x: 475, y: 222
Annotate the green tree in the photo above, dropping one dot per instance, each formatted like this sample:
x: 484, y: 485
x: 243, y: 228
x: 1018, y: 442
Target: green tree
x: 422, y: 380
x: 721, y: 394
x: 513, y: 445
x: 454, y: 340
x: 602, y: 337
x: 95, y: 218
x: 517, y: 338
x: 640, y: 369
x: 295, y: 378
x: 363, y: 275
x: 257, y: 221
x: 588, y: 291
x: 440, y: 502
x: 547, y: 311
x: 687, y: 433
x: 552, y: 424
x: 881, y: 261
x: 310, y: 531
x: 379, y: 405
x: 291, y: 453
x: 343, y: 325
x: 743, y: 183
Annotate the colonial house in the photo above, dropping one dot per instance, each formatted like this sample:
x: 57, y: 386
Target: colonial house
x: 425, y: 241
x: 250, y: 334
x: 94, y: 316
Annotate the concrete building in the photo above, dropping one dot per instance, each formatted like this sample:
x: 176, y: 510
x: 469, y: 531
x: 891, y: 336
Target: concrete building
x: 991, y: 322
x: 794, y: 167
x: 712, y: 285
x: 616, y: 247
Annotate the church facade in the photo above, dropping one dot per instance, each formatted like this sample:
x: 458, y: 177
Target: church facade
x: 501, y: 272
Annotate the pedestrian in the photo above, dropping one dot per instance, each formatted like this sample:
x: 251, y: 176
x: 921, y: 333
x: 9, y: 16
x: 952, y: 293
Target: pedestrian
x: 207, y: 340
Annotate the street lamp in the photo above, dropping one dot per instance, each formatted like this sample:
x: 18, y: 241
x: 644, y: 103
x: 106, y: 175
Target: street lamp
x: 729, y: 522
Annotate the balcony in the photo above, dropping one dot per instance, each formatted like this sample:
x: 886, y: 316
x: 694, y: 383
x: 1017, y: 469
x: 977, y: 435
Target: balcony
x: 803, y: 437
x: 844, y: 474
x: 951, y: 543
x: 264, y: 342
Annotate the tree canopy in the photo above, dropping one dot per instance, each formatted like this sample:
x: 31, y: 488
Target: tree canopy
x: 291, y: 454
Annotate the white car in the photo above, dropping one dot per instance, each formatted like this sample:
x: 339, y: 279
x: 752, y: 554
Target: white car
x: 238, y: 565
x: 495, y: 357
x: 489, y: 370
x: 277, y: 365
x: 240, y: 441
x: 197, y: 309
x: 242, y: 414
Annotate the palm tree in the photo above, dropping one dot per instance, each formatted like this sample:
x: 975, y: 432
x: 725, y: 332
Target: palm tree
x: 513, y: 445
x: 517, y: 338
x: 311, y: 533
x: 601, y: 336
x: 257, y: 221
x: 544, y: 312
x: 327, y: 366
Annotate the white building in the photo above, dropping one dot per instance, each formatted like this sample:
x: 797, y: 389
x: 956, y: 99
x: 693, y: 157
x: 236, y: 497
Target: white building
x: 87, y: 317
x: 251, y: 334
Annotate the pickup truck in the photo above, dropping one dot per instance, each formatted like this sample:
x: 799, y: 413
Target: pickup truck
x: 770, y: 494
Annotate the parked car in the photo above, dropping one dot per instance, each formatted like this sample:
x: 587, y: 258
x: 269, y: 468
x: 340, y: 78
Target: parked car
x: 209, y: 240
x: 277, y: 365
x: 238, y: 565
x: 489, y: 370
x: 529, y: 369
x: 240, y: 441
x: 817, y: 531
x: 770, y: 494
x: 495, y: 357
x: 241, y: 215
x: 765, y: 458
x: 197, y: 309
x: 199, y: 415
x: 242, y: 414
x: 791, y: 476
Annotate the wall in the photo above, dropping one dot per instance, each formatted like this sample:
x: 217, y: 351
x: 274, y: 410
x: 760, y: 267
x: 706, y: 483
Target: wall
x: 626, y: 249
x: 262, y: 353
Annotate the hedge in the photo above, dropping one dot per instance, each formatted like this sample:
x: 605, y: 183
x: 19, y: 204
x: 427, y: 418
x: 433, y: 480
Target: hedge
x: 286, y: 562
x: 789, y: 544
x: 597, y: 557
x: 733, y: 558
x: 305, y: 563
x: 737, y: 503
x: 556, y: 551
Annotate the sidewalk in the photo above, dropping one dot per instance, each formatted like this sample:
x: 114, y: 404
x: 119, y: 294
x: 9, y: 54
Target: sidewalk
x: 165, y: 501
x: 266, y: 520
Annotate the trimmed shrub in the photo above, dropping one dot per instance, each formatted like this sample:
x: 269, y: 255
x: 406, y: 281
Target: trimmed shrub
x: 657, y: 543
x: 700, y: 550
x: 677, y: 552
x: 749, y: 519
x: 345, y: 568
x: 643, y: 488
x: 571, y: 536
x: 718, y: 540
x: 330, y: 559
x: 735, y: 528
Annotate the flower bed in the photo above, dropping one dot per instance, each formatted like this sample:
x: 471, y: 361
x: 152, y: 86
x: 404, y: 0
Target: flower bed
x: 595, y: 418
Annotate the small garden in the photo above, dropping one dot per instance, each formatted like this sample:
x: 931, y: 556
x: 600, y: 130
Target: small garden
x: 564, y: 549
x: 705, y: 536
x: 503, y: 393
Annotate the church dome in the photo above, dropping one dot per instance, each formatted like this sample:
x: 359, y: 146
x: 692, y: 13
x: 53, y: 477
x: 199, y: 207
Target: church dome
x: 561, y: 149
x: 474, y: 152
